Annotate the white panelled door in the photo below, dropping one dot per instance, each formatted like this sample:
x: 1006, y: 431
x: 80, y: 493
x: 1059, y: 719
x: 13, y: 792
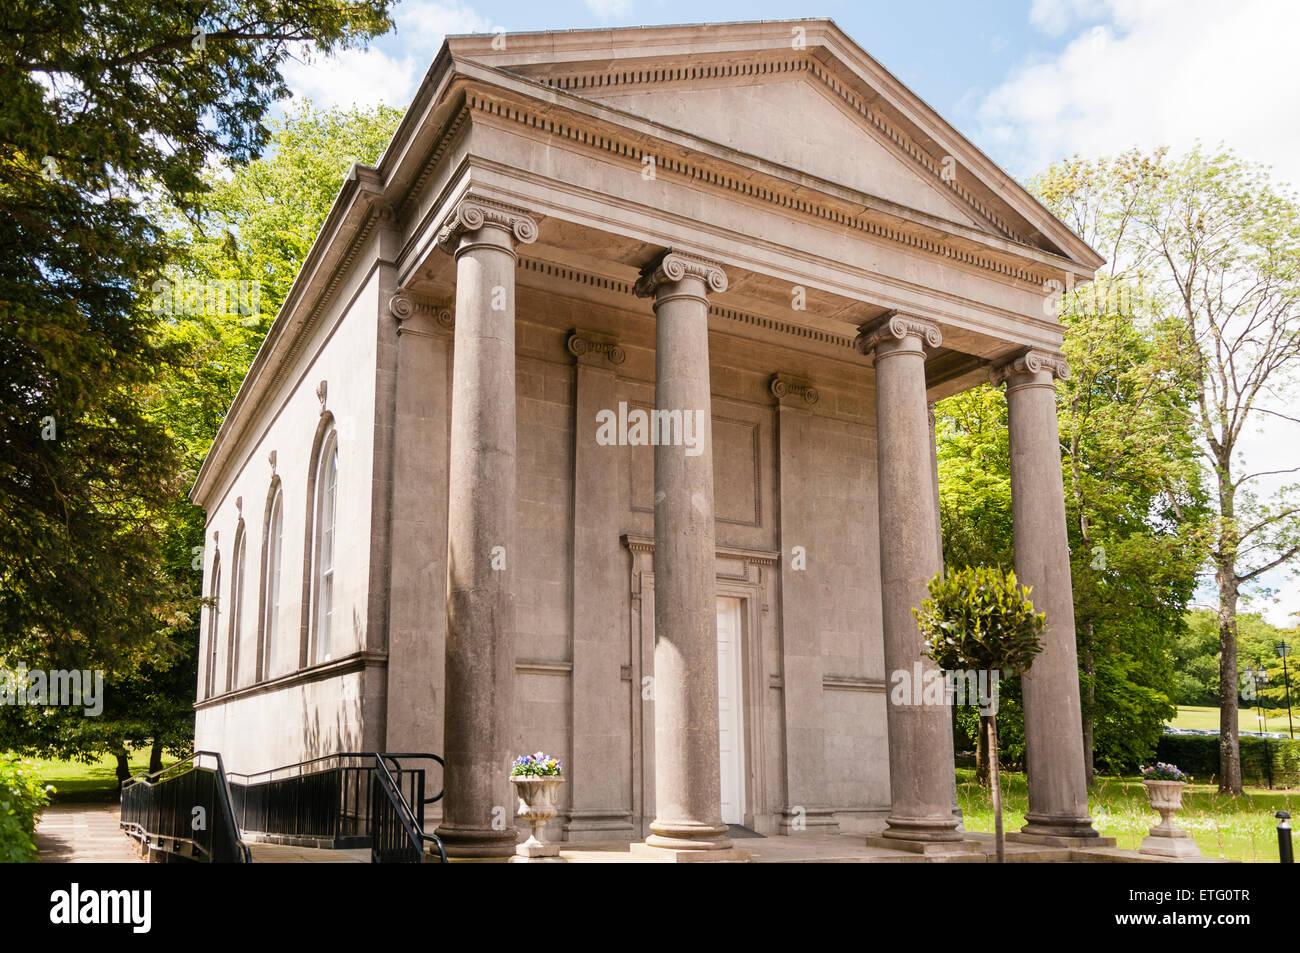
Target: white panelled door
x: 731, y: 716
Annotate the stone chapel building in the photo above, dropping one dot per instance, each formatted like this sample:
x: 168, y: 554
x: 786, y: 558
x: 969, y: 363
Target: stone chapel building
x: 597, y: 421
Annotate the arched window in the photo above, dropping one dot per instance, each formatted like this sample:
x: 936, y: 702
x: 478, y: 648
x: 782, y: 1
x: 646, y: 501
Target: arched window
x: 236, y: 608
x: 214, y: 625
x: 322, y: 604
x: 272, y: 546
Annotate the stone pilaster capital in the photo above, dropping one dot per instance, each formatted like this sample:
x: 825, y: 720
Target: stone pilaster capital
x: 474, y: 212
x: 672, y: 267
x: 1031, y: 361
x: 788, y: 390
x: 404, y: 307
x: 894, y: 327
x: 584, y: 345
x: 401, y: 306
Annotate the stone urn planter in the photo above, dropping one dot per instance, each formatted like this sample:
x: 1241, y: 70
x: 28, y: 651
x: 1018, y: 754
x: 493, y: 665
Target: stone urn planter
x: 538, y: 803
x: 1166, y: 839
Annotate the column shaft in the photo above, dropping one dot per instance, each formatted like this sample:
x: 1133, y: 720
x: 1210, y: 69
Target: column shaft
x: 921, y: 771
x: 482, y: 551
x: 1058, y: 790
x: 688, y: 794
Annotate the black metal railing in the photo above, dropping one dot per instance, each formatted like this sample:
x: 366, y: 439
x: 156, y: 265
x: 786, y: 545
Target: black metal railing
x: 185, y: 810
x: 328, y: 799
x: 397, y: 836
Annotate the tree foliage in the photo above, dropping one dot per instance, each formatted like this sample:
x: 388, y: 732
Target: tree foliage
x: 1135, y: 501
x: 980, y: 619
x: 108, y: 111
x: 1212, y: 247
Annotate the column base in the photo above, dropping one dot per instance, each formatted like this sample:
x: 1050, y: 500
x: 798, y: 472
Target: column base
x: 809, y: 820
x: 941, y: 828
x: 928, y: 848
x: 1060, y: 840
x: 598, y: 825
x: 1069, y: 827
x: 685, y: 835
x: 668, y: 855
x: 476, y: 843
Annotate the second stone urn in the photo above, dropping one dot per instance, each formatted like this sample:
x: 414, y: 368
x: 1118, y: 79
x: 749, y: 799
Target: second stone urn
x: 1166, y: 839
x: 538, y: 803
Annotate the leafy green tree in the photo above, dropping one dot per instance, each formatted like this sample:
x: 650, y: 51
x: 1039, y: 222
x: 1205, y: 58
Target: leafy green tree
x: 1135, y: 502
x: 105, y: 110
x: 1214, y: 247
x: 1196, y: 660
x: 978, y: 619
x: 258, y: 222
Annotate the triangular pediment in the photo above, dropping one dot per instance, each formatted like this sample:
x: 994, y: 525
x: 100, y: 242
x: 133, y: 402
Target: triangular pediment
x: 791, y: 119
x: 798, y: 94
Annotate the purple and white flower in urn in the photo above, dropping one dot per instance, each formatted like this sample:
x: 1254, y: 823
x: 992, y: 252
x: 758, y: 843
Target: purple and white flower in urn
x: 537, y: 778
x: 1164, y: 784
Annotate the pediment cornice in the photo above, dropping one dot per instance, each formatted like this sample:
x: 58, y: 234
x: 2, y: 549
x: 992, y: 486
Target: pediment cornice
x: 788, y: 64
x: 615, y: 136
x: 710, y: 53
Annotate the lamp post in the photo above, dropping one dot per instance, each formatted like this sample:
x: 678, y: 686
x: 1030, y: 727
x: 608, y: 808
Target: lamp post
x: 1259, y: 677
x: 1284, y: 650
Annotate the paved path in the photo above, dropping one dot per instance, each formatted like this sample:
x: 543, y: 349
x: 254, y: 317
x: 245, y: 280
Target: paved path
x: 89, y: 833
x: 288, y: 854
x: 83, y: 833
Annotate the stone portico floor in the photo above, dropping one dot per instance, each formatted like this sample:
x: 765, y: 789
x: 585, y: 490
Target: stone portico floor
x: 853, y: 849
x: 90, y: 833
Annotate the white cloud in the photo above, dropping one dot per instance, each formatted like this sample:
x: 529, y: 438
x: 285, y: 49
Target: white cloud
x: 1154, y: 72
x: 390, y: 68
x: 608, y: 9
x: 427, y: 23
x: 1057, y: 16
x: 1164, y: 72
x: 353, y: 77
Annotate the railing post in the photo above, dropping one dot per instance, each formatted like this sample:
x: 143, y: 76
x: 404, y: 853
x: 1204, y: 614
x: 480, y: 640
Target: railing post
x: 1284, y: 838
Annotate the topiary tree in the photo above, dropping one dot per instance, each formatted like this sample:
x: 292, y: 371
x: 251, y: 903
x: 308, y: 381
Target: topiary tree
x: 978, y: 619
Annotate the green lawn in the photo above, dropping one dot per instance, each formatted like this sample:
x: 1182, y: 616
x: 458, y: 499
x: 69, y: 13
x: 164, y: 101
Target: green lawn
x: 1236, y: 828
x: 1241, y: 828
x: 97, y: 781
x: 1191, y: 716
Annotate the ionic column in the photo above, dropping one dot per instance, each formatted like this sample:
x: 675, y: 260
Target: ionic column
x: 921, y: 771
x: 688, y: 790
x: 1058, y: 790
x: 481, y: 530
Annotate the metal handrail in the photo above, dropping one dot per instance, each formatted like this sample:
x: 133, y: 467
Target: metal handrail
x: 328, y: 797
x: 172, y: 773
x: 249, y: 778
x: 405, y: 816
x: 427, y: 756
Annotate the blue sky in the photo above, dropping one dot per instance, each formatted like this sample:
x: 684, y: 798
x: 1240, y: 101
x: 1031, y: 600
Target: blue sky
x: 1027, y: 81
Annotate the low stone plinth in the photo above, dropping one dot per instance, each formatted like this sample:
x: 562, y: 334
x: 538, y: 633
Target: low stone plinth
x: 537, y: 853
x: 1172, y: 843
x: 665, y: 855
x: 928, y: 848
